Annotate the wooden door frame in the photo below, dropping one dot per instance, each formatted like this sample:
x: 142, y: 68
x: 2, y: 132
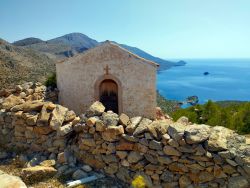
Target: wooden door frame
x: 119, y: 85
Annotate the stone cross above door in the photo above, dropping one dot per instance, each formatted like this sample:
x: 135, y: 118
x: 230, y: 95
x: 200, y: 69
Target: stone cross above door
x: 107, y: 69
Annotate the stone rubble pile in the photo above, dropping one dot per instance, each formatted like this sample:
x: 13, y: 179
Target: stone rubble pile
x: 163, y: 152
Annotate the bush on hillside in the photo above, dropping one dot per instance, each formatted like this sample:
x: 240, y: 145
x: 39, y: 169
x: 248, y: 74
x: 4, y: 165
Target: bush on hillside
x: 51, y: 81
x: 235, y: 116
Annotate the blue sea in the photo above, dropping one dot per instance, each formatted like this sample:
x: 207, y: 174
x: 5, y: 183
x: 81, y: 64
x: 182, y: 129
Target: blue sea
x: 228, y: 79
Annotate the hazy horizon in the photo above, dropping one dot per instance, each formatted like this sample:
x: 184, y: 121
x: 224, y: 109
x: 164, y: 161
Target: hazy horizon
x: 168, y: 29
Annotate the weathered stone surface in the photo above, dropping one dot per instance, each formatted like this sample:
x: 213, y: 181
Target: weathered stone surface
x: 43, y: 130
x: 202, y: 177
x: 140, y: 148
x: 164, y: 160
x: 96, y: 109
x: 158, y: 128
x: 38, y: 173
x: 122, y: 154
x: 109, y: 159
x: 155, y: 145
x: 167, y: 176
x: 123, y: 145
x: 176, y: 131
x: 123, y: 119
x: 171, y: 151
x: 65, y: 129
x: 152, y: 159
x: 9, y: 181
x: 58, y: 115
x: 79, y: 174
x: 111, y: 133
x: 196, y: 133
x: 11, y: 101
x: 134, y: 157
x: 48, y: 163
x: 238, y: 182
x: 130, y: 138
x: 69, y: 116
x: 43, y: 118
x: 31, y: 120
x: 183, y: 120
x: 88, y: 142
x: 110, y: 118
x: 100, y: 126
x: 218, y: 138
x: 112, y: 168
x: 92, y: 120
x: 86, y: 168
x: 134, y: 122
x: 29, y: 106
x: 142, y: 127
x: 184, y: 181
x: 123, y: 174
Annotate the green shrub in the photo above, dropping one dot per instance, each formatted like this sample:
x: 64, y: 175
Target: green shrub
x: 51, y: 81
x: 234, y: 116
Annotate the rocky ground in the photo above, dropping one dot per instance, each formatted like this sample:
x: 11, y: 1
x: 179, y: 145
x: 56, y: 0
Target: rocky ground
x: 13, y: 167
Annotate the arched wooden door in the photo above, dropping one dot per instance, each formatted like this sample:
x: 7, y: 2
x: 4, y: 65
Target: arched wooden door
x: 108, y: 91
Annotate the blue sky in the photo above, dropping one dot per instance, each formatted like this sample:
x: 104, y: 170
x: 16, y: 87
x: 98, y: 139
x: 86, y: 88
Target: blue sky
x: 165, y: 28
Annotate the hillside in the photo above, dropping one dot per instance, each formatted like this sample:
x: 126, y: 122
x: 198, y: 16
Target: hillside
x: 27, y: 41
x: 164, y: 64
x: 19, y: 64
x: 62, y: 47
x: 74, y: 43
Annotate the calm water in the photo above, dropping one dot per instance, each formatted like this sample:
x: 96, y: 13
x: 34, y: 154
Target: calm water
x: 228, y: 80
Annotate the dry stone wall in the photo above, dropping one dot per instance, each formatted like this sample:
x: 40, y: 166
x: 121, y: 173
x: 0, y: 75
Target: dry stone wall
x: 163, y: 152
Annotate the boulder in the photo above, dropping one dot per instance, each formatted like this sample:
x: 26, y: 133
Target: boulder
x: 86, y: 168
x: 130, y: 138
x: 96, y: 109
x: 123, y: 119
x: 183, y: 120
x: 155, y: 145
x: 9, y: 181
x: 65, y: 129
x: 110, y: 118
x: 38, y: 173
x: 122, y: 154
x: 134, y: 157
x: 168, y: 150
x: 158, y: 128
x: 196, y: 133
x: 43, y: 118
x: 42, y: 130
x: 142, y: 127
x: 88, y: 142
x: 92, y: 120
x: 11, y: 101
x: 79, y: 174
x: 99, y: 126
x: 134, y: 122
x: 58, y: 115
x: 176, y: 131
x: 184, y: 181
x: 70, y: 116
x: 112, y: 132
x: 48, y: 163
x: 238, y: 182
x: 218, y: 138
x: 28, y: 106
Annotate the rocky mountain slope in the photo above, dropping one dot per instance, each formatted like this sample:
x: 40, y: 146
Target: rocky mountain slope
x: 73, y: 43
x: 19, y: 64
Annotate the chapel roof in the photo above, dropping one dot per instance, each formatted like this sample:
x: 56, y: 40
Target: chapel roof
x: 109, y: 43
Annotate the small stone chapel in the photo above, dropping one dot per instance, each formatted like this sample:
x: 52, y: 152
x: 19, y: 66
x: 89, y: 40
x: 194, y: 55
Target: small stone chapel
x: 121, y: 80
